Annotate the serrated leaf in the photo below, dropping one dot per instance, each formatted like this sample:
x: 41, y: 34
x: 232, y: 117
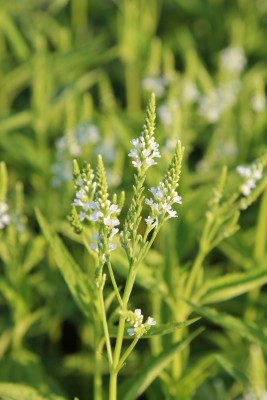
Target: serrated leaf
x: 232, y: 285
x: 136, y: 385
x: 78, y: 283
x: 247, y: 330
x: 13, y: 391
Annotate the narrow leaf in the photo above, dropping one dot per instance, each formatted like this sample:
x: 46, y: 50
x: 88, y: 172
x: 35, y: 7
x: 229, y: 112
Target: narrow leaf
x: 13, y: 391
x: 232, y: 285
x: 231, y: 369
x: 247, y: 330
x: 137, y: 384
x: 156, y: 330
x: 78, y: 283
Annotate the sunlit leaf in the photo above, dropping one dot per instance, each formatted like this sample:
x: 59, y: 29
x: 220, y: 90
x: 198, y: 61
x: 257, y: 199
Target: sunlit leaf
x: 137, y: 384
x: 77, y: 282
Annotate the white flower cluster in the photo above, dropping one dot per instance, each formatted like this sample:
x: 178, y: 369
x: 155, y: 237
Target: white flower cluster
x: 83, y: 197
x: 258, y: 102
x: 155, y: 84
x: 105, y: 213
x: 164, y: 198
x: 139, y: 327
x: 252, y: 174
x: 144, y: 152
x: 4, y: 216
x: 233, y: 59
x: 71, y: 144
x: 251, y: 395
x: 218, y: 100
x: 95, y: 210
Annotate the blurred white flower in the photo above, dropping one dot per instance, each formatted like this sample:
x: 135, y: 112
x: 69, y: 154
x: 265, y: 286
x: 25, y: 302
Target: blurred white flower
x: 233, y: 59
x: 190, y: 92
x: 165, y: 114
x: 251, y: 174
x: 155, y: 84
x: 258, y: 102
x: 4, y: 216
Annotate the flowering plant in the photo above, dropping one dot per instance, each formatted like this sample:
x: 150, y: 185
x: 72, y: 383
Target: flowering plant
x: 92, y: 206
x: 96, y: 218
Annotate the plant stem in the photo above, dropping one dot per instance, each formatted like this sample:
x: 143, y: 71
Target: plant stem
x: 105, y: 326
x: 127, y: 353
x: 192, y: 279
x: 98, y: 370
x: 119, y: 340
x: 114, y: 283
x: 261, y: 230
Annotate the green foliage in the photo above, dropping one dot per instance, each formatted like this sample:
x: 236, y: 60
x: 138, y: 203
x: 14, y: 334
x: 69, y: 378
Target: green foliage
x: 73, y: 89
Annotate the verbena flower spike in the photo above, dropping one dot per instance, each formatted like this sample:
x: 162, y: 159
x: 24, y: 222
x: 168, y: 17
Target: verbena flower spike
x: 92, y: 206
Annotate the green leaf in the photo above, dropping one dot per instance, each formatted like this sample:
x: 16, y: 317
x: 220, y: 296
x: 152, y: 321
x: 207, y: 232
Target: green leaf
x: 13, y: 391
x: 195, y: 375
x: 247, y: 330
x: 232, y: 285
x: 22, y: 366
x: 156, y: 330
x: 168, y: 328
x: 231, y: 369
x: 136, y: 385
x: 78, y: 283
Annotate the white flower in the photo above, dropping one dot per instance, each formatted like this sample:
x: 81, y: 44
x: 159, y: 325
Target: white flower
x: 244, y: 171
x: 131, y: 331
x: 149, y: 220
x: 233, y: 59
x: 165, y: 114
x: 155, y: 84
x: 177, y: 199
x: 113, y: 232
x: 190, y: 92
x: 4, y: 216
x: 251, y: 174
x: 111, y: 221
x: 111, y: 246
x: 114, y: 208
x: 139, y: 328
x: 94, y: 205
x: 144, y: 152
x: 150, y: 321
x: 258, y: 102
x: 94, y: 246
x: 81, y: 216
x: 96, y: 216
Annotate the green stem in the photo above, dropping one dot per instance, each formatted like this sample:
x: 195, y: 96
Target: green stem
x: 261, y: 231
x: 120, y: 334
x: 126, y: 354
x: 192, y: 279
x: 98, y: 388
x: 105, y: 326
x: 114, y: 283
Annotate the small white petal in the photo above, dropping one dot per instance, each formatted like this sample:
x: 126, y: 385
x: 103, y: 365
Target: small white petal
x: 150, y: 321
x: 111, y: 222
x: 149, y: 221
x: 93, y: 246
x: 111, y: 246
x: 81, y: 216
x: 137, y: 163
x: 131, y: 331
